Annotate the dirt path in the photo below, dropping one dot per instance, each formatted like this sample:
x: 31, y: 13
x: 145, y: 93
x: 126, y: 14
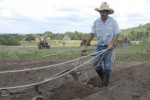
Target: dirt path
x: 129, y: 81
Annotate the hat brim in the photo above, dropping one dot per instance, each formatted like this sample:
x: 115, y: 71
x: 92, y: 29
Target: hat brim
x: 111, y: 11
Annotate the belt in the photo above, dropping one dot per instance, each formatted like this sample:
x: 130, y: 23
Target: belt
x: 104, y: 45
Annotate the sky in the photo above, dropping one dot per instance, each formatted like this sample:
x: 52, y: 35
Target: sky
x: 60, y: 16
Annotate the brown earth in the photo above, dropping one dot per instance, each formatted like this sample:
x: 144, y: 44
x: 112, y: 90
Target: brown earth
x: 128, y: 81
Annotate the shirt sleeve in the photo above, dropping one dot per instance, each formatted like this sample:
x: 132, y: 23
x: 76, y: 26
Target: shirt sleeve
x: 116, y: 28
x: 93, y: 29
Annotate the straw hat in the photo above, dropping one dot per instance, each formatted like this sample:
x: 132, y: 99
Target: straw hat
x: 105, y: 6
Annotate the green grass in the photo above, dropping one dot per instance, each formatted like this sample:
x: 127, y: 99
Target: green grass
x: 57, y: 43
x: 140, y: 52
x: 71, y: 50
x: 19, y: 52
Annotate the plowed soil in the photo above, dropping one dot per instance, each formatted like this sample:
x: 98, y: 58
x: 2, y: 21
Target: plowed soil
x: 128, y: 81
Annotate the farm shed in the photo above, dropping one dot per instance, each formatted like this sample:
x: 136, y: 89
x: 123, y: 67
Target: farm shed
x: 66, y: 37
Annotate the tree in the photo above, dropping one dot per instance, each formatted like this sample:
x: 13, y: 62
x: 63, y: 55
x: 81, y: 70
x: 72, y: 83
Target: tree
x: 29, y: 37
x: 9, y: 40
x: 148, y: 28
x: 48, y: 34
x: 133, y: 35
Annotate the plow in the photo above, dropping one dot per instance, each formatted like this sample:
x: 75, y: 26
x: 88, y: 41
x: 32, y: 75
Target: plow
x: 74, y: 72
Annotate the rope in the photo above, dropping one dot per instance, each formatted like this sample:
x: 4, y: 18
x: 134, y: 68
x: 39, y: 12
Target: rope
x: 52, y: 78
x: 58, y: 53
x: 63, y: 52
x: 113, y: 56
x: 112, y: 59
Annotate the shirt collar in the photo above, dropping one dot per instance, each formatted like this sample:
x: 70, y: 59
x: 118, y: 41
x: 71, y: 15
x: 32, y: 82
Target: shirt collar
x: 108, y: 19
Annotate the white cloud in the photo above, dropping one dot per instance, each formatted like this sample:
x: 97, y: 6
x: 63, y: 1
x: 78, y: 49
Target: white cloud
x: 35, y: 16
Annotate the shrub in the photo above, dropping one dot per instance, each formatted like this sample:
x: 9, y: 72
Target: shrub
x: 9, y: 40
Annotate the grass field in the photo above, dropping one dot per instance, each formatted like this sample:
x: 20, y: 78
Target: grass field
x: 57, y: 43
x: 71, y: 49
x: 29, y: 50
x: 139, y: 52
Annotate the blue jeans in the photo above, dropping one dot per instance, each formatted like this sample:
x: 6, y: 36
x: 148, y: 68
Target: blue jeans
x: 106, y: 60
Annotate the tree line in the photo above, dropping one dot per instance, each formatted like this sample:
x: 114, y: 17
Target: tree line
x: 15, y: 39
x: 138, y: 33
x: 134, y: 34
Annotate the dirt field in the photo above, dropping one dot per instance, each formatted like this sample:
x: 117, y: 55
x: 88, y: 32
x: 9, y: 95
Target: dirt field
x: 128, y: 81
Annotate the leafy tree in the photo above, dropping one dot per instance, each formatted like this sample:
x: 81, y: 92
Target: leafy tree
x: 133, y: 35
x: 58, y: 36
x: 48, y: 34
x: 146, y: 35
x: 29, y: 37
x: 148, y: 28
x: 9, y: 40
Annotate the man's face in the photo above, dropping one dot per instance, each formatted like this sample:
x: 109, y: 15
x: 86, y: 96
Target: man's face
x: 104, y: 14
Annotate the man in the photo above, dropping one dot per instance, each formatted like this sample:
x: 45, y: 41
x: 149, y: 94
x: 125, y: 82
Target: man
x: 107, y: 31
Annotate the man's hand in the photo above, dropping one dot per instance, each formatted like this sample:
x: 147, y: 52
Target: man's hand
x: 114, y: 39
x: 90, y: 37
x: 110, y: 46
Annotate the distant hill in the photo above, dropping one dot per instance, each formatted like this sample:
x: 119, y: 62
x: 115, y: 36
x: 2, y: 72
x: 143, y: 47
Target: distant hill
x: 141, y: 28
x: 140, y: 33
